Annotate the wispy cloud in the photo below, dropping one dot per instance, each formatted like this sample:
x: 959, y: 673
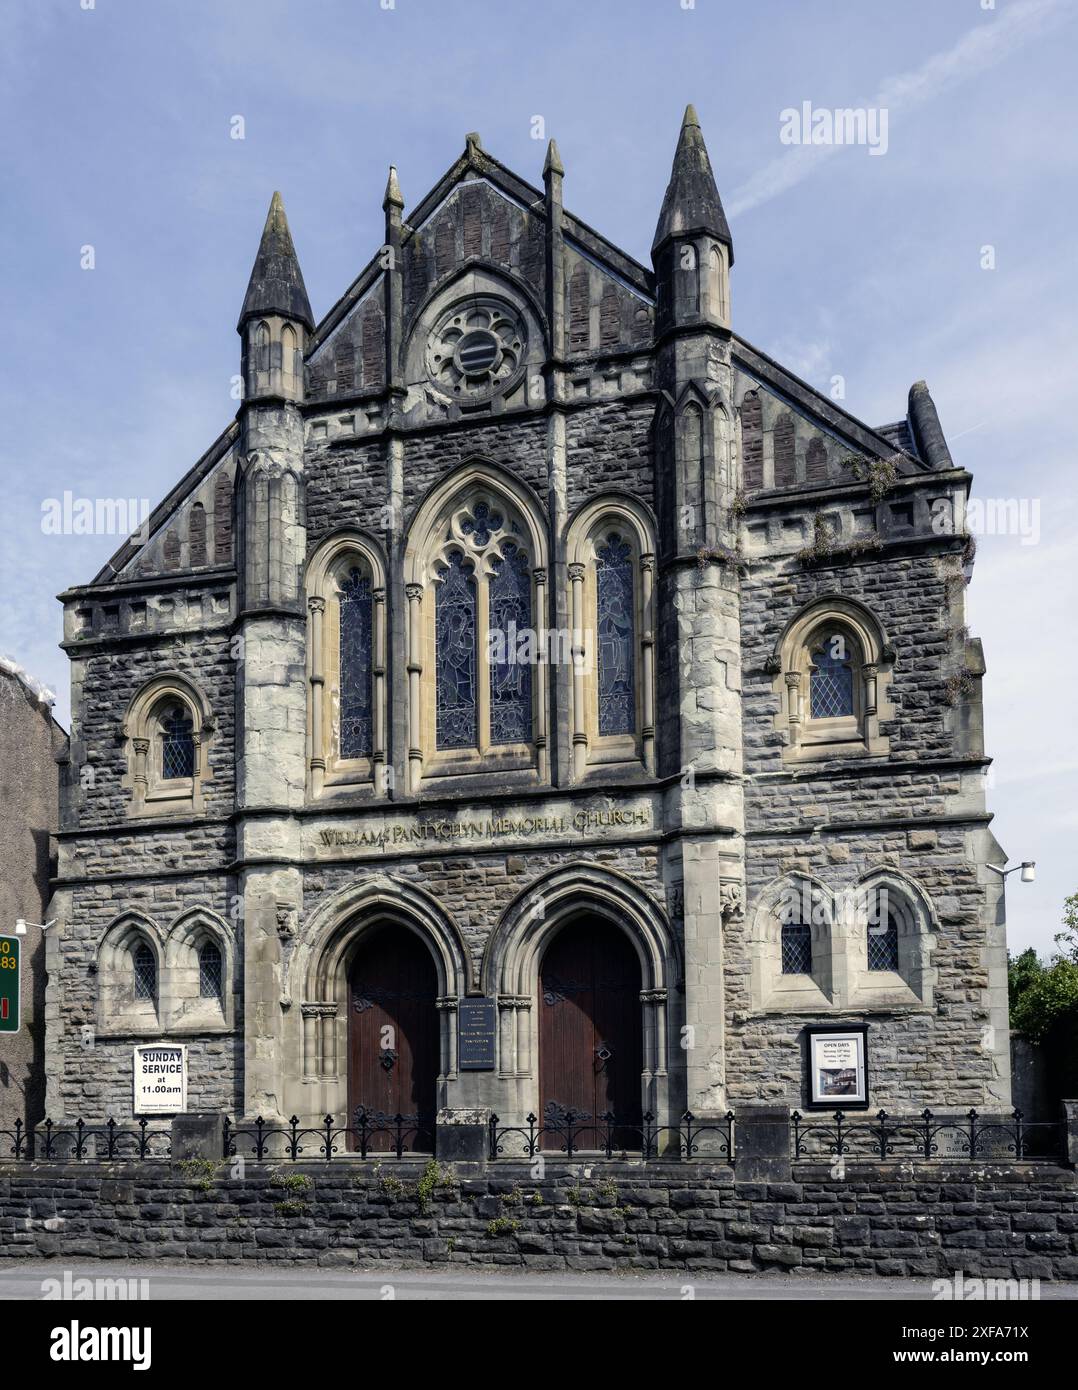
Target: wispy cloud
x: 996, y: 38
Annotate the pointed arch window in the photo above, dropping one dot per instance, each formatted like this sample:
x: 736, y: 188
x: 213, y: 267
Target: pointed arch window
x: 210, y: 976
x: 510, y: 669
x: 796, y: 948
x: 882, y: 933
x: 176, y: 732
x: 455, y: 642
x: 615, y: 606
x: 346, y: 644
x: 476, y: 654
x: 144, y: 966
x: 356, y: 608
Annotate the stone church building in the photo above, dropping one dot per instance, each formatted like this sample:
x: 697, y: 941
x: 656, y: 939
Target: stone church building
x: 536, y: 699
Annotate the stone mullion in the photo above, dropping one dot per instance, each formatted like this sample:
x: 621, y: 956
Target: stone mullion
x: 647, y: 649
x: 542, y: 678
x: 580, y: 734
x: 482, y: 663
x: 379, y: 692
x: 415, y: 681
x: 793, y: 700
x: 317, y: 609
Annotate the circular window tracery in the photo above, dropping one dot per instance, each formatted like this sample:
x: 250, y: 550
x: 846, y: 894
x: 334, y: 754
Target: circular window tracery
x: 477, y: 348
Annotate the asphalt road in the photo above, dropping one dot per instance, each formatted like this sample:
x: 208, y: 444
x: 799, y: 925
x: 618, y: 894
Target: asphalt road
x: 230, y: 1283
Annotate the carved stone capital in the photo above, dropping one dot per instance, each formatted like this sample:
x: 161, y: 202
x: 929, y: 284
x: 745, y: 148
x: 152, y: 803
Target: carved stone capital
x: 318, y: 1010
x: 316, y: 604
x: 414, y: 592
x: 576, y: 573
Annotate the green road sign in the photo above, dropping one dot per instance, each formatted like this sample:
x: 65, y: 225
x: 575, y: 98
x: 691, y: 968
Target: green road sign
x: 9, y: 984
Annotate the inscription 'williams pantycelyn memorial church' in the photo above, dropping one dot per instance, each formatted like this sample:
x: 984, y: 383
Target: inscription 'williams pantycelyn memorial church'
x: 345, y: 849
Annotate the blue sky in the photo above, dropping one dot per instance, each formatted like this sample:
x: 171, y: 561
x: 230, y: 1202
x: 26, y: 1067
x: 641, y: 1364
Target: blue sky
x: 115, y: 129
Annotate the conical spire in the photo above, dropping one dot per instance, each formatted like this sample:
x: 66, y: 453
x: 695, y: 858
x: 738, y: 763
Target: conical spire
x: 553, y: 164
x: 276, y: 284
x: 692, y: 203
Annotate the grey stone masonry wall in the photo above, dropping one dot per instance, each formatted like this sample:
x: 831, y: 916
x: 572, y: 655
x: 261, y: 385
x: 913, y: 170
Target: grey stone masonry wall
x: 1015, y: 1222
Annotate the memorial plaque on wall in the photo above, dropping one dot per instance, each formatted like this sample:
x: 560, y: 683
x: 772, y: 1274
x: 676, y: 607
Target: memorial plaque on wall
x: 477, y: 1021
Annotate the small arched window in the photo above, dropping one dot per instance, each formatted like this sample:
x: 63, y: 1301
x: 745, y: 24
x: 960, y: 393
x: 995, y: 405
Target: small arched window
x: 831, y: 677
x: 144, y: 965
x: 210, y: 979
x: 167, y: 731
x: 176, y: 731
x: 262, y: 348
x: 796, y: 948
x: 832, y: 667
x: 882, y: 935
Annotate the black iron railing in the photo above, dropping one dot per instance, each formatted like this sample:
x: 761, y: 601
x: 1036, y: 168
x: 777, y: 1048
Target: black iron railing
x: 572, y: 1132
x: 63, y: 1142
x: 928, y: 1136
x: 372, y: 1134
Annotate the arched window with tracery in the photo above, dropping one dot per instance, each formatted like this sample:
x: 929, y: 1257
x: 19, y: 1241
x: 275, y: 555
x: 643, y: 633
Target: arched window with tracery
x: 483, y: 635
x: 346, y: 717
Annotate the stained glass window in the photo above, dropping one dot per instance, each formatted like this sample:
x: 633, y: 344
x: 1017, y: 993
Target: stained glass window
x: 831, y: 684
x: 510, y: 677
x: 614, y: 601
x: 355, y: 636
x: 145, y: 966
x: 455, y: 643
x: 209, y: 971
x: 177, y: 744
x: 796, y: 949
x: 482, y: 524
x: 883, y: 942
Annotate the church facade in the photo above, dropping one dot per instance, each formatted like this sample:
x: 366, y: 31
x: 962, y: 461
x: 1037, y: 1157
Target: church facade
x: 536, y: 700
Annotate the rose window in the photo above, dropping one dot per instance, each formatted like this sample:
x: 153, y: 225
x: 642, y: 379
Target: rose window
x: 477, y: 348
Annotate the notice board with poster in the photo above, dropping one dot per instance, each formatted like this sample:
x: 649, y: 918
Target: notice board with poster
x: 837, y: 1068
x: 160, y: 1079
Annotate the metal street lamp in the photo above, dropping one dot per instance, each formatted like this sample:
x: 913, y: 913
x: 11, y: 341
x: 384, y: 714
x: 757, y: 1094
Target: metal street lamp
x: 1027, y: 866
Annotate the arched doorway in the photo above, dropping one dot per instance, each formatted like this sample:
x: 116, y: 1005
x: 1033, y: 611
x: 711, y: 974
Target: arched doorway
x: 590, y: 1033
x: 393, y: 1035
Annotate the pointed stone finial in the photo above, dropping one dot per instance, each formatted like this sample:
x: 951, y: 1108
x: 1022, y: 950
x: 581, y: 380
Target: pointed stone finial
x: 276, y: 284
x: 553, y: 164
x: 472, y: 142
x: 692, y: 203
x: 393, y: 190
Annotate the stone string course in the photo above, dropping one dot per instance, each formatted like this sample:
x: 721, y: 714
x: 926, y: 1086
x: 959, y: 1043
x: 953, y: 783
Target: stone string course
x: 1014, y: 1222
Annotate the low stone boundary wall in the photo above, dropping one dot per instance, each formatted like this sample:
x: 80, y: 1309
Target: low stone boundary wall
x: 1013, y: 1221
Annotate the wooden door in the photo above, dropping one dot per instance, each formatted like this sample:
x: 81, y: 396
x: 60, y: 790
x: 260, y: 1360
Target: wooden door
x: 590, y: 1037
x: 393, y: 1047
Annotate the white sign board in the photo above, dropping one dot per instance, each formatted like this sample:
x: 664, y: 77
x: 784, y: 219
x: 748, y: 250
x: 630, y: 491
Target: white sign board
x: 160, y: 1079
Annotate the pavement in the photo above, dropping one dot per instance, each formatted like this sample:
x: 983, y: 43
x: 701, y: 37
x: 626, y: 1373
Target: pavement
x: 238, y: 1283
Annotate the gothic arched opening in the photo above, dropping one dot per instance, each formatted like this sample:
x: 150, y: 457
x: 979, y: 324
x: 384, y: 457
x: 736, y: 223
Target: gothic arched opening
x: 393, y: 1037
x: 590, y: 1032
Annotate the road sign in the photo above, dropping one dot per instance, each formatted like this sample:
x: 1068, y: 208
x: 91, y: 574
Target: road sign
x: 10, y: 976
